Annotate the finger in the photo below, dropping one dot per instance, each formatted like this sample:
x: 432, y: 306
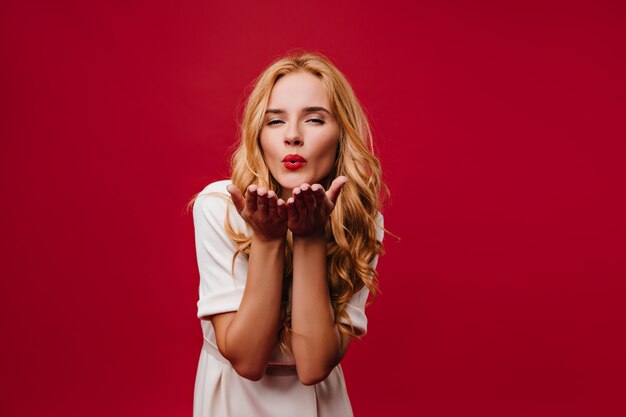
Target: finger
x: 300, y: 206
x: 308, y: 198
x: 292, y: 211
x: 271, y: 202
x: 335, y: 187
x: 237, y: 197
x: 261, y: 200
x: 281, y: 208
x: 251, y: 198
x: 319, y: 193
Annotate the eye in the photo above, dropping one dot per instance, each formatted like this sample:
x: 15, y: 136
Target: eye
x: 317, y: 121
x: 274, y: 122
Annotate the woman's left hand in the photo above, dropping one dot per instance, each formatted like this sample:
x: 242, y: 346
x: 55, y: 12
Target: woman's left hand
x: 309, y: 209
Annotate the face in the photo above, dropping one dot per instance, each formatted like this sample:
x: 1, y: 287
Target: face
x: 300, y: 136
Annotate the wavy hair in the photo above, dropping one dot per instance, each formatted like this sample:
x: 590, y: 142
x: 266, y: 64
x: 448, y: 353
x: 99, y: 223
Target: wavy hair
x: 351, y: 230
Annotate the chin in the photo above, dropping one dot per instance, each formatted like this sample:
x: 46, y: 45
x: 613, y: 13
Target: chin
x: 293, y: 183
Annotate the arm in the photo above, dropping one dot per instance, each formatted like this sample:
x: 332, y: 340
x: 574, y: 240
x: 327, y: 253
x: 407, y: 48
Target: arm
x: 318, y: 345
x: 246, y: 337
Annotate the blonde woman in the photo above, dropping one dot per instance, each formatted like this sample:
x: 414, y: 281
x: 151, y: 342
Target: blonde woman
x: 287, y: 248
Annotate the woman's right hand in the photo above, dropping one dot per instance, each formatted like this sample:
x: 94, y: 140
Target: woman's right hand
x: 262, y: 210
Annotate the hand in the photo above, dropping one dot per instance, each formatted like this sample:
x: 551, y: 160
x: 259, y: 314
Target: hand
x: 262, y: 210
x: 309, y: 209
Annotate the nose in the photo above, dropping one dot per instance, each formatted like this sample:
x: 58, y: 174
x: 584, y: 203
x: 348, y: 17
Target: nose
x: 292, y: 135
x: 293, y: 140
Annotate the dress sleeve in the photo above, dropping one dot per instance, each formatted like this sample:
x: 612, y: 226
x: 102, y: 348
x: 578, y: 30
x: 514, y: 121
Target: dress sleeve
x: 220, y: 291
x: 356, y: 306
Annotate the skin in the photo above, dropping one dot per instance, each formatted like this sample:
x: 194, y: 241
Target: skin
x: 290, y: 129
x: 247, y: 337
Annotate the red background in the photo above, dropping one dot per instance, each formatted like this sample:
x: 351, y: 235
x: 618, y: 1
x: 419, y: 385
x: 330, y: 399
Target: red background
x: 501, y: 131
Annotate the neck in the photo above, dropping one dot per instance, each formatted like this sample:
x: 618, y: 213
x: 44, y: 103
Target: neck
x: 286, y: 193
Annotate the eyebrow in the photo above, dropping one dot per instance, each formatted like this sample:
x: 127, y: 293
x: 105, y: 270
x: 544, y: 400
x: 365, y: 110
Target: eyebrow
x: 311, y: 109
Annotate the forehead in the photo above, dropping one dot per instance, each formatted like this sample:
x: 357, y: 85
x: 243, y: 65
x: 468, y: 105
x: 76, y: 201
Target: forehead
x: 297, y: 90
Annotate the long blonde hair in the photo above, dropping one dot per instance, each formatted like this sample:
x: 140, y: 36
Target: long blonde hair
x: 351, y: 231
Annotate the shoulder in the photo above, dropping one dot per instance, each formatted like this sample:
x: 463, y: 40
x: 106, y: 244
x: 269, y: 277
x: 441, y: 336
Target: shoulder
x: 213, y: 200
x: 214, y: 205
x: 215, y: 187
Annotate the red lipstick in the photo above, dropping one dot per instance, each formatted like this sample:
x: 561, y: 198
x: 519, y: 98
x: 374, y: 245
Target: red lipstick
x: 293, y: 161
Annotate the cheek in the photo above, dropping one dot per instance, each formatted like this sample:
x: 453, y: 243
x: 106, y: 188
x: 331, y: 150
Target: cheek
x: 329, y: 156
x: 332, y: 152
x: 331, y: 147
x: 265, y: 145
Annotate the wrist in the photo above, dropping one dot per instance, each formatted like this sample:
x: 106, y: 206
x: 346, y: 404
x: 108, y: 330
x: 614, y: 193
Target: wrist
x: 268, y: 240
x: 318, y: 233
x: 317, y: 239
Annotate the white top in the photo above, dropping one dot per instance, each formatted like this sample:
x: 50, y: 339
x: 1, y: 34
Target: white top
x: 219, y: 390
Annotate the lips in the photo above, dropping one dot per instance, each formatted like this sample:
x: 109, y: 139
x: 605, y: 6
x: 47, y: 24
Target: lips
x: 293, y: 161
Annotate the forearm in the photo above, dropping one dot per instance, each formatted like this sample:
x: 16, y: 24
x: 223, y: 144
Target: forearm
x: 251, y: 335
x: 316, y: 340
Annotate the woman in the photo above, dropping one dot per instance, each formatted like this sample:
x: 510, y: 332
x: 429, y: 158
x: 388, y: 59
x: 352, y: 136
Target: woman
x: 287, y: 248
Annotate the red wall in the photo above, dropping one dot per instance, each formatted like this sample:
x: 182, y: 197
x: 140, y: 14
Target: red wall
x: 501, y: 131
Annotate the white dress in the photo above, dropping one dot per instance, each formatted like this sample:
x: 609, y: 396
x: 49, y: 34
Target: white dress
x: 221, y: 392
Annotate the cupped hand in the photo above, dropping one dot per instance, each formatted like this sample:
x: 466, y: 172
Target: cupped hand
x: 262, y: 210
x: 309, y: 209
